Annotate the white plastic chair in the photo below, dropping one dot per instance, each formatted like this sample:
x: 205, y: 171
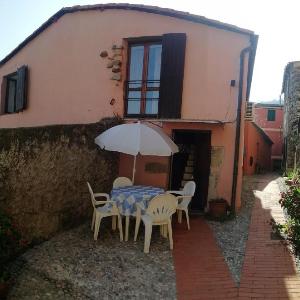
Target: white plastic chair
x: 159, y: 212
x: 104, y: 211
x: 184, y: 200
x: 121, y: 182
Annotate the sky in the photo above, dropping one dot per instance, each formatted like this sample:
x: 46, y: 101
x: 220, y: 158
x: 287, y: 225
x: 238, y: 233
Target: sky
x: 275, y: 21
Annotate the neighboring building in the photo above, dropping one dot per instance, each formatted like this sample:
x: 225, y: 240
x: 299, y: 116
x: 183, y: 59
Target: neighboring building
x: 269, y: 117
x: 258, y: 148
x: 188, y: 74
x: 258, y: 145
x: 291, y: 124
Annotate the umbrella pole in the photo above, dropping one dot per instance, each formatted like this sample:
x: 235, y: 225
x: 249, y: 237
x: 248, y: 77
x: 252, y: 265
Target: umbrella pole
x: 133, y: 172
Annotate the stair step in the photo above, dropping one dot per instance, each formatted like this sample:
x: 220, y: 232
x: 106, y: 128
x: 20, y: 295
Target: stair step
x: 188, y: 169
x: 190, y: 163
x: 187, y: 176
x: 191, y: 156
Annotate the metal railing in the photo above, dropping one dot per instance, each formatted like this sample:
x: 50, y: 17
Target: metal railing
x: 142, y: 86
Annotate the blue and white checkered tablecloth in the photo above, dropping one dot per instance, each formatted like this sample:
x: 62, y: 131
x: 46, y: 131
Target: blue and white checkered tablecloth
x: 126, y: 197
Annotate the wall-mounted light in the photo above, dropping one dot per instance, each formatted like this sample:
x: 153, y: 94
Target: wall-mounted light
x: 232, y: 82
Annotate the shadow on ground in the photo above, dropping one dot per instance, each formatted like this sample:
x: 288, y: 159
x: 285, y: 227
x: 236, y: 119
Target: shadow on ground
x: 73, y: 266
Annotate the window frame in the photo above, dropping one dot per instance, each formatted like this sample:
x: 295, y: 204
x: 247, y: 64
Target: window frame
x: 7, y: 79
x: 146, y: 42
x: 271, y: 119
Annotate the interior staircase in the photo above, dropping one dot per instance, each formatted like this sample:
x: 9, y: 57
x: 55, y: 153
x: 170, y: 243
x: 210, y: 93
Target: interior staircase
x: 189, y: 167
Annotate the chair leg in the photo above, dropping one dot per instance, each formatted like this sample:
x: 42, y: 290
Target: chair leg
x: 114, y: 222
x: 148, y: 233
x: 120, y: 227
x: 137, y: 226
x: 170, y: 234
x: 126, y: 228
x: 179, y: 213
x: 187, y: 218
x: 97, y: 226
x: 165, y: 231
x: 93, y: 221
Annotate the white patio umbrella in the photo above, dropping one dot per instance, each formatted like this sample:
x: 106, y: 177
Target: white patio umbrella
x: 135, y: 138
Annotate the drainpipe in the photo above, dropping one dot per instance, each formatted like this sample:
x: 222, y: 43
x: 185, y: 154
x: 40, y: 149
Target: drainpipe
x: 238, y: 123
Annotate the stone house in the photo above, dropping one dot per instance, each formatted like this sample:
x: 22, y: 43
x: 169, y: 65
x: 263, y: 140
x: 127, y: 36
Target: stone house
x: 291, y: 122
x: 188, y: 74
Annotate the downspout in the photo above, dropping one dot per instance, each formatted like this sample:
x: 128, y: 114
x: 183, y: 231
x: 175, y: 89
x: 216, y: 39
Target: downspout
x: 239, y: 117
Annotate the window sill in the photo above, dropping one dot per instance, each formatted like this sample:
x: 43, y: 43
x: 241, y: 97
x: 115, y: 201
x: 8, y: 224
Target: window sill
x: 141, y: 116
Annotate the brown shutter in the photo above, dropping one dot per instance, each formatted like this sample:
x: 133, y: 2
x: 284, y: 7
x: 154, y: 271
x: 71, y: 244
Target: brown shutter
x: 171, y: 77
x: 3, y: 95
x: 21, y: 93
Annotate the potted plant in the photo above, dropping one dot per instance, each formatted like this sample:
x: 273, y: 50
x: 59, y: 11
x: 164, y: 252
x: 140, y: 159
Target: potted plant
x: 218, y: 208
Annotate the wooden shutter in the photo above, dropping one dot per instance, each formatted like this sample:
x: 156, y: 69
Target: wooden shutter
x: 171, y: 77
x: 21, y: 93
x: 3, y: 95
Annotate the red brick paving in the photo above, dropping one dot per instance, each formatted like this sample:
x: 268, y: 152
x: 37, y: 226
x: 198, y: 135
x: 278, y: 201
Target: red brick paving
x: 268, y: 271
x: 201, y: 271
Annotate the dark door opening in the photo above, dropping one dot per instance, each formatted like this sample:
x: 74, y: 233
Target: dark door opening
x: 192, y: 162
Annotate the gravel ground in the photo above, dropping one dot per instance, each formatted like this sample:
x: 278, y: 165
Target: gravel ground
x: 232, y: 235
x: 73, y: 266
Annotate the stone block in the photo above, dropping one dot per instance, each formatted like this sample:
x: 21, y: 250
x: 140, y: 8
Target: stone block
x: 103, y: 53
x: 109, y: 64
x: 116, y: 69
x: 117, y: 51
x: 117, y: 47
x: 116, y: 76
x: 117, y: 62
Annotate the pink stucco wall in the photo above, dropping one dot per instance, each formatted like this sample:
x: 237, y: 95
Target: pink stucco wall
x: 257, y: 148
x: 274, y: 129
x: 221, y: 136
x: 69, y: 82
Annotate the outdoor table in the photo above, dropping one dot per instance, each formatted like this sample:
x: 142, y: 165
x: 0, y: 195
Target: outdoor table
x: 126, y: 198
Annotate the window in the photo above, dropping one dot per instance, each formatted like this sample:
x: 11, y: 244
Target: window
x: 271, y: 115
x: 155, y: 76
x: 144, y: 79
x: 14, y: 91
x: 11, y: 91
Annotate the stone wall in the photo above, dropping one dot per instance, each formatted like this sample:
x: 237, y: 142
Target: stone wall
x: 43, y: 174
x: 217, y: 159
x: 291, y: 89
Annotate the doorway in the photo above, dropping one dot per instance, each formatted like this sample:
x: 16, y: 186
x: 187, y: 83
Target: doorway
x: 192, y: 162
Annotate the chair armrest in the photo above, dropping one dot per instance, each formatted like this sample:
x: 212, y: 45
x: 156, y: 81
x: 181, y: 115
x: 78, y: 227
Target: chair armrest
x: 104, y: 202
x: 183, y: 197
x: 175, y: 192
x: 101, y: 195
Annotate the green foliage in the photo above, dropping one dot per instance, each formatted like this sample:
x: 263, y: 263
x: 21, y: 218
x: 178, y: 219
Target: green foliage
x: 290, y: 202
x: 293, y: 175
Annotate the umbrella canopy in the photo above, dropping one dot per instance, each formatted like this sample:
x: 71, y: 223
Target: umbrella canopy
x: 135, y: 138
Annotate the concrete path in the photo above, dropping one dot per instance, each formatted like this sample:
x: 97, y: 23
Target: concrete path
x: 269, y: 270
